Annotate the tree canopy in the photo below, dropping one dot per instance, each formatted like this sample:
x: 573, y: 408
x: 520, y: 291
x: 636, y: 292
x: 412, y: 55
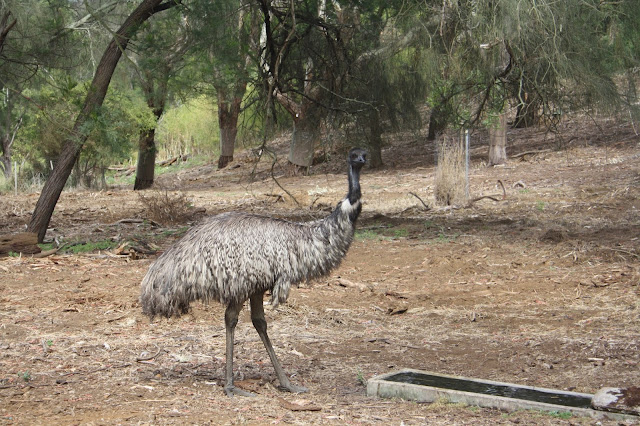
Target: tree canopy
x: 358, y: 69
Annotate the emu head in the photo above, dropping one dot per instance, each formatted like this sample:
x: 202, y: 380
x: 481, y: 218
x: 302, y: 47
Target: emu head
x: 357, y: 158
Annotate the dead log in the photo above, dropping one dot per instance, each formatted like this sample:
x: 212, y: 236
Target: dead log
x: 22, y: 242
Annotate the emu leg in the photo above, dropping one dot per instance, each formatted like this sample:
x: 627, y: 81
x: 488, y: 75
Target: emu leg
x: 257, y: 317
x: 230, y: 321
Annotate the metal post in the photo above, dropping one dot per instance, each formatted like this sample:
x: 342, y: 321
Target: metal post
x: 15, y: 177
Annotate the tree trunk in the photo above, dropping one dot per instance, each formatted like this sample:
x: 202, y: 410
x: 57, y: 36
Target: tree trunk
x: 375, y: 140
x: 498, y: 141
x: 6, y: 135
x: 228, y: 113
x: 95, y: 97
x: 305, y: 133
x: 527, y: 111
x: 437, y: 122
x: 146, y: 167
x: 5, y: 159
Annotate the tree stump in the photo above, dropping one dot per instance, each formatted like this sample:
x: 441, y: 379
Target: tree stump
x: 22, y: 242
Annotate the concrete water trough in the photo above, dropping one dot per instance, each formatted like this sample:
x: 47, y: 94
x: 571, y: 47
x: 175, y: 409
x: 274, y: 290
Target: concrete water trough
x: 423, y: 386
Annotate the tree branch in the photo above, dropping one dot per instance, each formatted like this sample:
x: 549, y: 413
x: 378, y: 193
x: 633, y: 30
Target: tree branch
x: 5, y: 28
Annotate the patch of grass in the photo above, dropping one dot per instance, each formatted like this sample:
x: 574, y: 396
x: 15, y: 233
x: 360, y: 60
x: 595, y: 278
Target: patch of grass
x: 445, y: 238
x: 47, y: 246
x: 561, y: 414
x: 400, y: 233
x: 360, y: 378
x: 564, y: 415
x: 90, y: 246
x: 26, y: 376
x: 540, y: 205
x: 13, y: 254
x: 173, y: 232
x: 369, y: 234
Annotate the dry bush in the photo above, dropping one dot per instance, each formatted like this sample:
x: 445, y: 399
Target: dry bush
x: 450, y: 180
x: 165, y: 207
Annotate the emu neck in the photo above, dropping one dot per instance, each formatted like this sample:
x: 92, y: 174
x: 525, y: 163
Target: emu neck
x: 354, y: 185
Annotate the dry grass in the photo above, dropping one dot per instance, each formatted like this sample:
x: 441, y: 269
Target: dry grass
x: 450, y: 181
x: 167, y: 207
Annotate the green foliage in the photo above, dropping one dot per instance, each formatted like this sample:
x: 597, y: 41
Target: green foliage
x: 113, y: 131
x: 360, y: 378
x: 373, y: 67
x: 189, y: 128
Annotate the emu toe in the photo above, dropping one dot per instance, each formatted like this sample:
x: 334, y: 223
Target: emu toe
x: 232, y: 390
x: 293, y: 388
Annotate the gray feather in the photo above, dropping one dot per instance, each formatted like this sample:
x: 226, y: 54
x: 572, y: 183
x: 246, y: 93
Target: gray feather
x: 233, y: 255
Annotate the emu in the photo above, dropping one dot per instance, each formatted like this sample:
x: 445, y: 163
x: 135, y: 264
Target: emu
x: 235, y: 257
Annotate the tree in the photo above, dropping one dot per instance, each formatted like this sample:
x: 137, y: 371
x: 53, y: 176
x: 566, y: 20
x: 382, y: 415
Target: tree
x: 72, y: 146
x: 305, y: 64
x: 498, y: 139
x: 161, y: 49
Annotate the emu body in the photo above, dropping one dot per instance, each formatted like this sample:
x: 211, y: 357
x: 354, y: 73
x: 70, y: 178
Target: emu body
x: 235, y: 257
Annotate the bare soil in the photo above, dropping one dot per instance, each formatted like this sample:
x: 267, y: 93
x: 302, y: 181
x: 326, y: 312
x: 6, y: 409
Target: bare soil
x: 541, y: 288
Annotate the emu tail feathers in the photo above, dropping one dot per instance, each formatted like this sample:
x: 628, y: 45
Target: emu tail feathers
x: 159, y: 298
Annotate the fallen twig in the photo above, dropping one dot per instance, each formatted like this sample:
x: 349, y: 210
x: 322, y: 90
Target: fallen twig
x: 149, y: 357
x: 490, y: 197
x: 350, y: 284
x: 135, y: 220
x: 522, y: 154
x: 423, y: 203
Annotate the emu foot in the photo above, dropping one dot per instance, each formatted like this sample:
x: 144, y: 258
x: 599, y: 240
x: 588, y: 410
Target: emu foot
x: 293, y: 388
x: 232, y: 390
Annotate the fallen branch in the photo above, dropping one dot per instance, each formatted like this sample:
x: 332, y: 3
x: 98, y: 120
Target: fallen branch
x: 420, y: 199
x: 47, y: 253
x: 490, y: 197
x: 350, y: 284
x: 522, y: 154
x: 135, y: 220
x: 22, y: 242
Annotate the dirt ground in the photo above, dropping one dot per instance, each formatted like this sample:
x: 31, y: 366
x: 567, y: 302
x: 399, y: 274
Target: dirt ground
x: 541, y: 288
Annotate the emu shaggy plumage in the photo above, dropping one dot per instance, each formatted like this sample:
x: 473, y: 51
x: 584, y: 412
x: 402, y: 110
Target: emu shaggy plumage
x: 235, y: 257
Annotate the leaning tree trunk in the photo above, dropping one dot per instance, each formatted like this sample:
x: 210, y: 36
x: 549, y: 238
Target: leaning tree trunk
x: 95, y: 97
x: 228, y: 113
x: 498, y: 141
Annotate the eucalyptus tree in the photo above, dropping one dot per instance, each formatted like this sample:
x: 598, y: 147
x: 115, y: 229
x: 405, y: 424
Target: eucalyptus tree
x: 305, y: 63
x: 77, y: 136
x: 159, y: 57
x: 226, y: 39
x: 386, y: 86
